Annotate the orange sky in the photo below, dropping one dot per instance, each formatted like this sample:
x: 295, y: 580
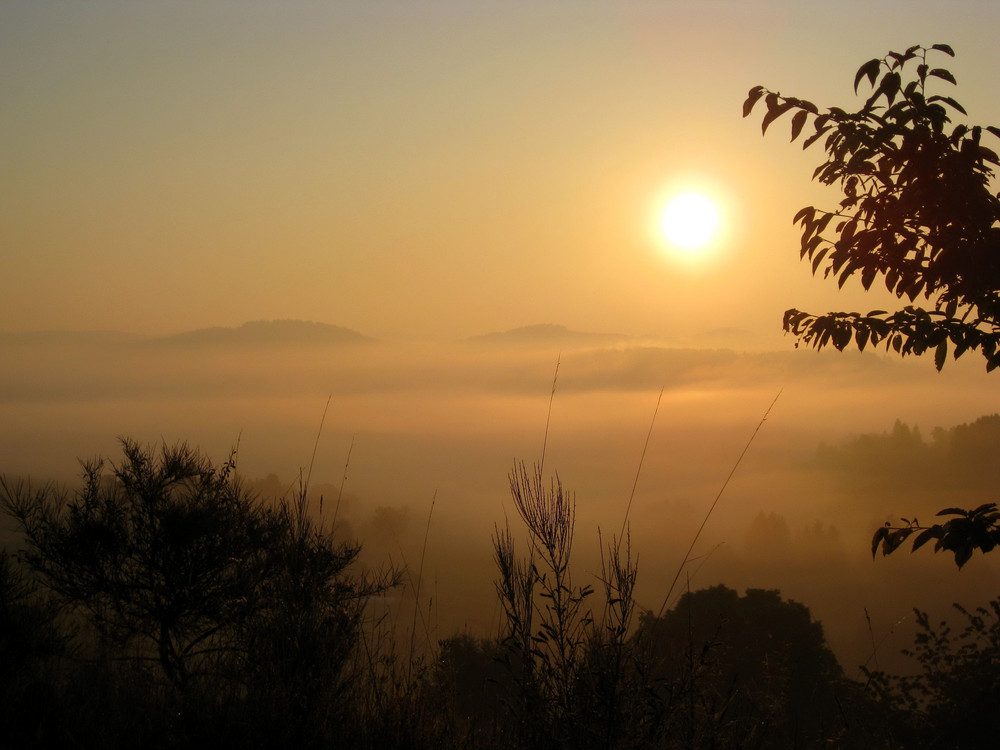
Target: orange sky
x: 436, y: 170
x: 422, y: 170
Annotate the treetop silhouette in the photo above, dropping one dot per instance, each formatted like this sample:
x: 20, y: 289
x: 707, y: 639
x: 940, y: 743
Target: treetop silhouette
x: 917, y: 213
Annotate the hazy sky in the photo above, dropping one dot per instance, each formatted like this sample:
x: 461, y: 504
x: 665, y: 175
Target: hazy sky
x: 436, y: 170
x: 423, y: 169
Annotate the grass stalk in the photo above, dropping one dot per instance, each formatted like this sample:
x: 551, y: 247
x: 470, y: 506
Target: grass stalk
x: 725, y: 484
x: 416, y: 593
x: 638, y: 471
x: 343, y: 481
x: 319, y: 433
x: 548, y: 416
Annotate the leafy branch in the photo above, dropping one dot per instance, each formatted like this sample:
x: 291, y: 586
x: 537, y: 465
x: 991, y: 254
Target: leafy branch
x: 917, y: 212
x: 965, y: 532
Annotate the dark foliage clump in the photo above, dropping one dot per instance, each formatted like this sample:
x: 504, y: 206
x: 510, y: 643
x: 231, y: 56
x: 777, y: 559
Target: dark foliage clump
x: 756, y: 670
x: 951, y: 702
x: 192, y: 602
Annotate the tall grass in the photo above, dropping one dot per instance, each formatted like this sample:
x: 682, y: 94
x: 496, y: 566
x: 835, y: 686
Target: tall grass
x: 581, y: 680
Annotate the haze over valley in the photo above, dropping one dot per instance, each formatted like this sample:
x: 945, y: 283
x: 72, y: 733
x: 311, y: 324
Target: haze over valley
x: 446, y: 421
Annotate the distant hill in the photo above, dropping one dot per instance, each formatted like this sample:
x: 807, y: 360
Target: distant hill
x: 548, y: 334
x: 266, y: 333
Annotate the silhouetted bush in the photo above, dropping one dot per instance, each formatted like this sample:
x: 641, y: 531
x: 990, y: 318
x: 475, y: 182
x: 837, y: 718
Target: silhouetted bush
x: 755, y: 669
x: 246, y: 609
x: 952, y: 701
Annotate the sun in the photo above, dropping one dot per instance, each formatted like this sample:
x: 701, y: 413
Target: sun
x: 690, y: 221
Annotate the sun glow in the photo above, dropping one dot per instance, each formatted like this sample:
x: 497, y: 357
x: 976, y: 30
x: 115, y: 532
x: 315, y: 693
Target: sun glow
x: 689, y: 221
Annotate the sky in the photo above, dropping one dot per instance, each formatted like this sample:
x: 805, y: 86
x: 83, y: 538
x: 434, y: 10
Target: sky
x: 422, y: 170
x: 427, y: 172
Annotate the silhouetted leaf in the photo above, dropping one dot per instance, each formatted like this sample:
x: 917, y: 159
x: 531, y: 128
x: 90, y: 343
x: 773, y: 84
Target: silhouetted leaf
x: 804, y: 214
x: 815, y: 136
x: 880, y: 535
x: 752, y: 98
x: 963, y: 555
x: 868, y: 276
x: 951, y: 512
x: 818, y: 258
x: 894, y: 539
x: 934, y: 532
x: 944, y: 75
x: 951, y: 102
x: 869, y: 70
x: 944, y: 48
x: 861, y: 336
x: 941, y: 354
x: 797, y: 122
x: 773, y: 113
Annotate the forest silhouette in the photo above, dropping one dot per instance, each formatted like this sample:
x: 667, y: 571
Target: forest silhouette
x: 165, y: 602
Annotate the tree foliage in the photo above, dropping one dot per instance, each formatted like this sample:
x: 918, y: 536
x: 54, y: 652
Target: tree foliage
x: 758, y: 665
x: 918, y: 212
x: 950, y: 702
x: 961, y: 535
x: 169, y: 555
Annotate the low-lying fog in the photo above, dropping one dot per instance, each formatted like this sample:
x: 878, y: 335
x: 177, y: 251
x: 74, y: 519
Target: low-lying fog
x: 446, y: 422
